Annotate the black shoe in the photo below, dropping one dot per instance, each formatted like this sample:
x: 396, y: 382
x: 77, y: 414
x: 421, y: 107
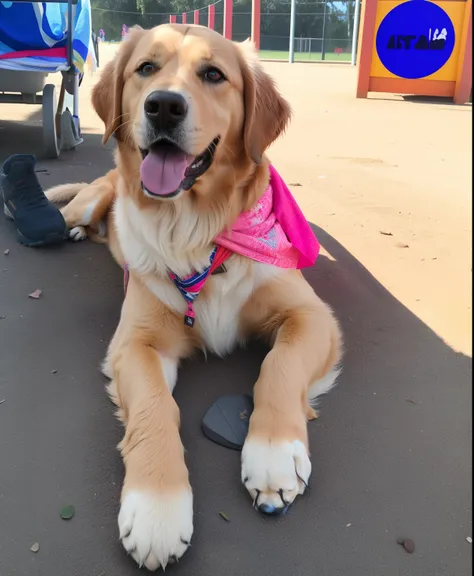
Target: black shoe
x: 37, y: 221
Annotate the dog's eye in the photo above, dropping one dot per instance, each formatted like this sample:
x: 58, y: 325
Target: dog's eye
x: 213, y: 75
x: 146, y: 69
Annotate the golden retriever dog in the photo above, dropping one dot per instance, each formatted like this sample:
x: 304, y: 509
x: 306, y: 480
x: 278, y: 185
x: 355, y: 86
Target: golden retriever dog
x: 193, y: 114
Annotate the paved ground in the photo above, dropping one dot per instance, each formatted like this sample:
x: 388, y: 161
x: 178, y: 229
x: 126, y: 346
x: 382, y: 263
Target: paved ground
x: 392, y: 449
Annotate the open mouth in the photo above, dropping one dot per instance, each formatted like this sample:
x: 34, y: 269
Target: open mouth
x: 166, y: 170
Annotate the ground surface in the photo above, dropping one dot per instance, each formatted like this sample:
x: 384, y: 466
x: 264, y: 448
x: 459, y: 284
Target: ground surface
x: 386, y: 183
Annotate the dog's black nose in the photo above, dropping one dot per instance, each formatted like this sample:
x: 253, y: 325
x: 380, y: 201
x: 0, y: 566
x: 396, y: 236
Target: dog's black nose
x: 165, y: 110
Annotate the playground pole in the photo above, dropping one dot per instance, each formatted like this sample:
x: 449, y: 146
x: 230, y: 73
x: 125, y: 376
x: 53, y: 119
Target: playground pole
x: 256, y: 7
x: 183, y: 19
x: 227, y: 32
x: 355, y: 32
x: 211, y: 15
x: 173, y: 19
x: 291, y: 57
x: 323, y: 41
x: 196, y: 16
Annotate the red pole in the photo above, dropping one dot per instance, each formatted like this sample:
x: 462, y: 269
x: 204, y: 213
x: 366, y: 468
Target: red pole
x: 256, y: 23
x: 227, y: 32
x: 184, y: 18
x: 211, y: 16
x: 173, y: 19
x: 196, y: 16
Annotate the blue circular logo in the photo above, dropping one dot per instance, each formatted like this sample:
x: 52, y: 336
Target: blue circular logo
x: 415, y: 39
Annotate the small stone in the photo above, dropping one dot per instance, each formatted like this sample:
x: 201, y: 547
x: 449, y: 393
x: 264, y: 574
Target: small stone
x: 385, y: 233
x: 35, y: 547
x: 7, y: 251
x: 469, y: 539
x: 348, y: 525
x: 54, y: 371
x: 2, y: 316
x: 407, y: 544
x: 36, y: 294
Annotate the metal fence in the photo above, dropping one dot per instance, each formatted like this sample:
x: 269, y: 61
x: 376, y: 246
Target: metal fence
x: 323, y: 29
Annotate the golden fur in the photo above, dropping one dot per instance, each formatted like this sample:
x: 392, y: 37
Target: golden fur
x: 152, y: 235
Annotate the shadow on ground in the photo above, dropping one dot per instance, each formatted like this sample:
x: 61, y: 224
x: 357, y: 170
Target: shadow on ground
x: 391, y: 450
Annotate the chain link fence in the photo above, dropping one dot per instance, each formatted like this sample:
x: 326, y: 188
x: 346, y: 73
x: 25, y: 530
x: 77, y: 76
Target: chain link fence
x: 323, y: 29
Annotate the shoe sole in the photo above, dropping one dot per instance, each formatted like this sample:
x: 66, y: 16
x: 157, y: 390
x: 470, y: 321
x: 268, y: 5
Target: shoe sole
x: 52, y: 238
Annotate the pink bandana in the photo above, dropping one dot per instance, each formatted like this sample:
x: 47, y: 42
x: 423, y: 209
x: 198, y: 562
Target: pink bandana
x: 275, y: 231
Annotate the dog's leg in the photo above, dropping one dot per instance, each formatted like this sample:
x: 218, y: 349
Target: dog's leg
x: 307, y: 343
x: 156, y: 514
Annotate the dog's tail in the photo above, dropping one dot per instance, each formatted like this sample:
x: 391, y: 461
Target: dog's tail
x: 64, y: 192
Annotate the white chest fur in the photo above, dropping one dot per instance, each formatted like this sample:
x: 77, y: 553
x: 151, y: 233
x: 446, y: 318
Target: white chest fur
x: 217, y: 311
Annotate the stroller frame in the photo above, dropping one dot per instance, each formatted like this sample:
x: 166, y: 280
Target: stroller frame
x: 61, y: 131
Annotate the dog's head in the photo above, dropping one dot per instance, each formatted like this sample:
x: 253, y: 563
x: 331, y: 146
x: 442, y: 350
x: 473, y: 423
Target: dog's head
x: 186, y: 99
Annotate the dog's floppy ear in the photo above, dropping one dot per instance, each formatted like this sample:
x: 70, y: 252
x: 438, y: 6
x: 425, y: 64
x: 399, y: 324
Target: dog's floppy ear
x: 107, y: 93
x: 267, y: 113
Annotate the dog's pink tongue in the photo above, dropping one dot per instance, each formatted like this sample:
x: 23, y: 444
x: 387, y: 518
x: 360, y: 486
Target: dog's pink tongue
x: 162, y: 171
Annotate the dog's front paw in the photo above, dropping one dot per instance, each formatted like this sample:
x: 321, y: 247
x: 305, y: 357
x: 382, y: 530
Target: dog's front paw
x: 156, y: 528
x: 78, y: 233
x: 274, y: 473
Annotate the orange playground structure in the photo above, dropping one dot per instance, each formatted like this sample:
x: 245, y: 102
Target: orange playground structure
x: 418, y: 47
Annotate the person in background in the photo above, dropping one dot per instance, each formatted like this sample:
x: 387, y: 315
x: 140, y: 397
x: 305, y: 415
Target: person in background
x: 124, y: 30
x: 102, y: 35
x: 95, y: 44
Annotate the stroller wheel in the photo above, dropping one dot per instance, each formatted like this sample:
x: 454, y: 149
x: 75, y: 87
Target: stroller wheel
x: 50, y: 137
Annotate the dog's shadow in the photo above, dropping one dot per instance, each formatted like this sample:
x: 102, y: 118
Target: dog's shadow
x: 394, y: 429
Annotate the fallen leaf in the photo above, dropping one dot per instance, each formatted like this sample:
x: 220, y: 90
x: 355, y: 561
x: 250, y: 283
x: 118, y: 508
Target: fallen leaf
x: 402, y: 245
x: 36, y: 294
x: 330, y: 213
x: 2, y: 401
x: 35, y: 547
x: 2, y: 317
x: 348, y: 525
x: 67, y: 512
x: 410, y: 400
x: 7, y: 251
x: 295, y: 184
x: 385, y: 233
x: 224, y: 516
x: 54, y: 371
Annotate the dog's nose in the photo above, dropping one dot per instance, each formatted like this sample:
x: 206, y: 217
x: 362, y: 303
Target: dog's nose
x: 164, y: 109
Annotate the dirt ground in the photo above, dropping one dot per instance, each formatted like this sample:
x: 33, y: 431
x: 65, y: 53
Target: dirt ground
x: 386, y: 182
